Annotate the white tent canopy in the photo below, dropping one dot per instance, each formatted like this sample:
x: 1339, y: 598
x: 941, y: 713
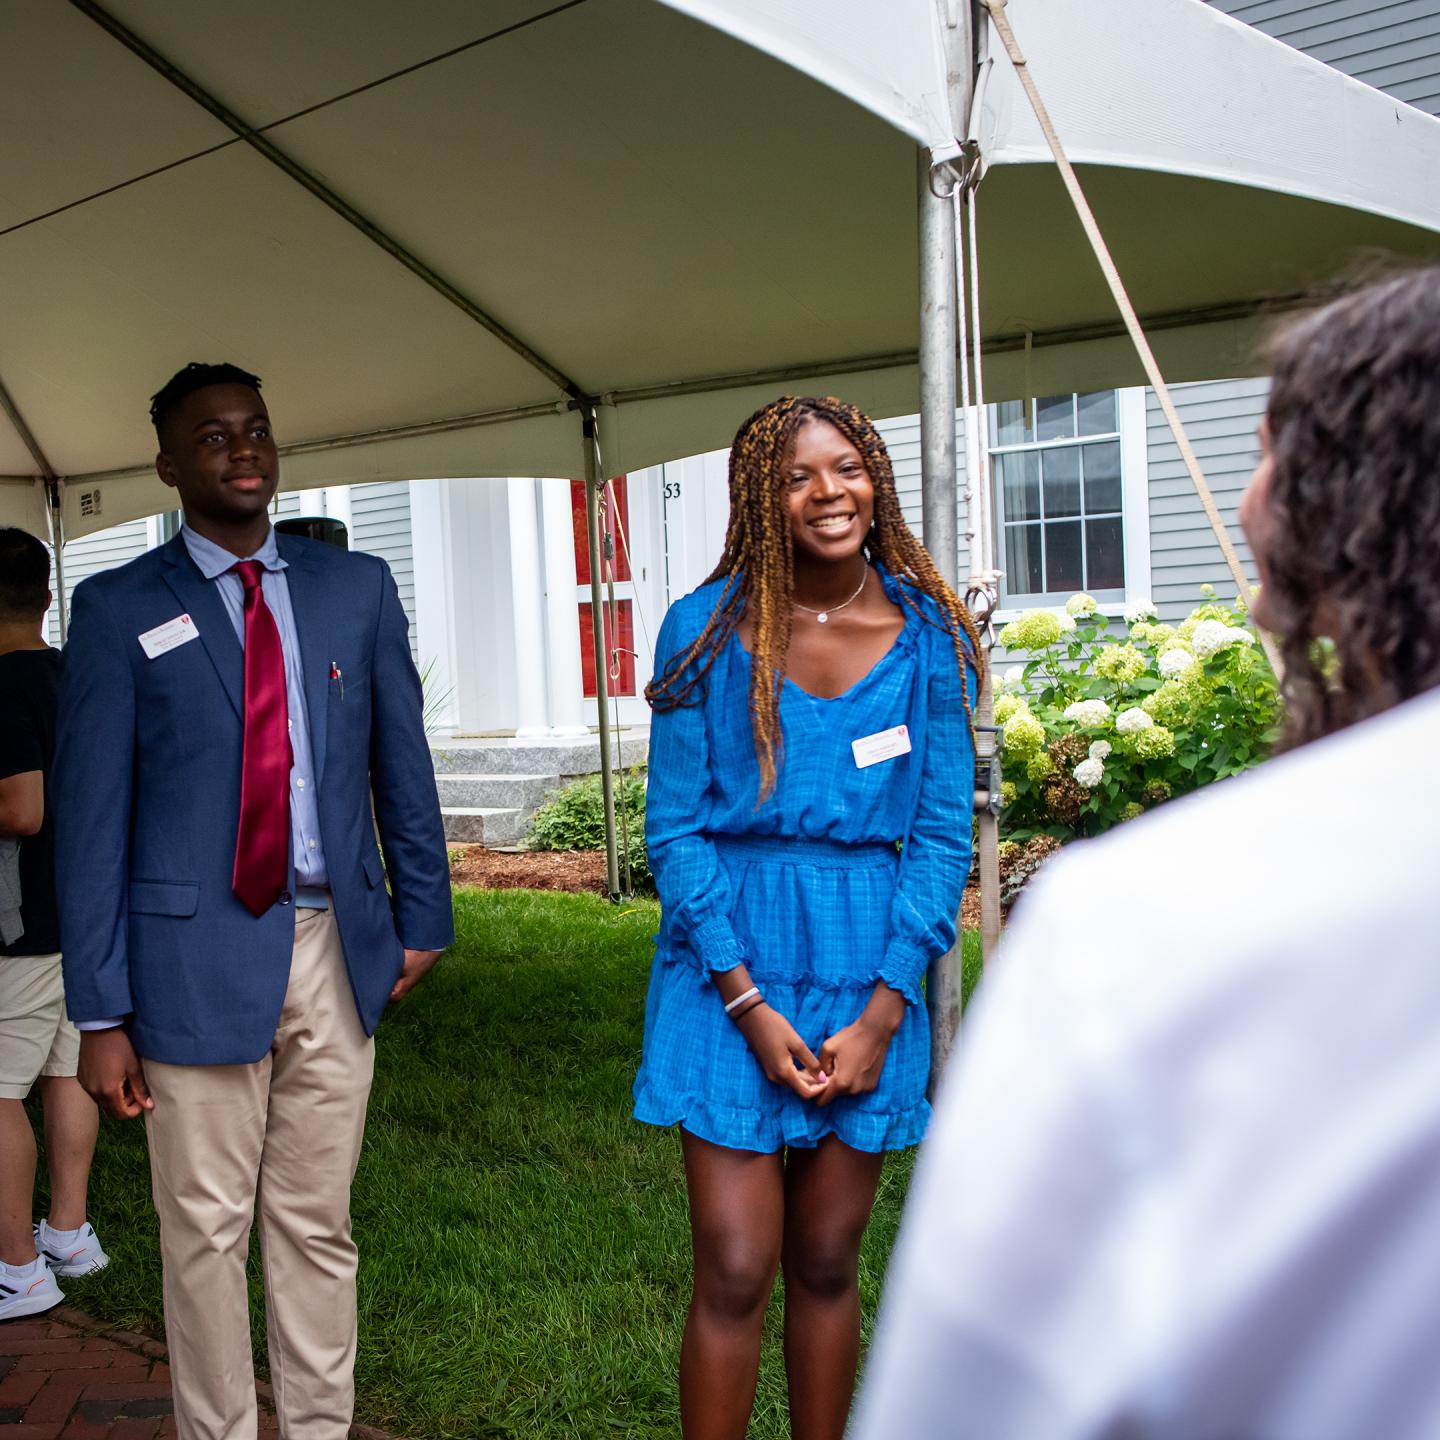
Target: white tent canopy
x: 655, y: 201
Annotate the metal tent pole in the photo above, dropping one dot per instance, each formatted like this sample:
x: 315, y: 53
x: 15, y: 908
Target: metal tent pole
x: 937, y: 487
x: 57, y: 544
x: 589, y: 430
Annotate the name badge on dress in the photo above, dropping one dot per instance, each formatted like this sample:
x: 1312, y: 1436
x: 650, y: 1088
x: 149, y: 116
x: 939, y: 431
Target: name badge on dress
x: 883, y: 745
x: 179, y: 631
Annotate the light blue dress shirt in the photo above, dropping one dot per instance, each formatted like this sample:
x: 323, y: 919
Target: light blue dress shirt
x: 217, y: 566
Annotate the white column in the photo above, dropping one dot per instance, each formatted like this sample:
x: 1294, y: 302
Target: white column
x: 434, y: 606
x: 564, y: 684
x: 336, y: 506
x: 527, y: 591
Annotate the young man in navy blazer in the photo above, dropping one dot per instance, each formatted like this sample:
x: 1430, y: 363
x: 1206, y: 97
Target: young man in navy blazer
x: 233, y: 703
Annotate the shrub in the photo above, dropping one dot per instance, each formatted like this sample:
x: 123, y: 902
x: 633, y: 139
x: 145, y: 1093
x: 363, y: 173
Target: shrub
x: 573, y: 818
x: 1099, y: 728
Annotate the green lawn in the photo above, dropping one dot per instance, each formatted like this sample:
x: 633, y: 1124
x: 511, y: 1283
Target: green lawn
x: 524, y: 1252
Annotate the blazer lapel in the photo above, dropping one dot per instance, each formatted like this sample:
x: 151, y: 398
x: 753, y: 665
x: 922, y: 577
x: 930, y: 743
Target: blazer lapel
x: 307, y: 605
x: 201, y: 601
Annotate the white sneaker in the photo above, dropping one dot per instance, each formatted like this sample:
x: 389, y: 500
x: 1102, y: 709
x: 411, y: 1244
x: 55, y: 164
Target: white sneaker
x: 79, y: 1256
x: 30, y: 1293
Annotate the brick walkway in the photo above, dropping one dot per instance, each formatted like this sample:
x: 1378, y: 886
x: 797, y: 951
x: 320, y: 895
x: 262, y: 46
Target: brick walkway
x: 64, y: 1376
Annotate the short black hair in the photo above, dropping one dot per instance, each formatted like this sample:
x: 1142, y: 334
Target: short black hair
x: 194, y: 376
x: 24, y: 575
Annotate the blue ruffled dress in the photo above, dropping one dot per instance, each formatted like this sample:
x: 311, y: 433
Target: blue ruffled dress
x: 811, y: 891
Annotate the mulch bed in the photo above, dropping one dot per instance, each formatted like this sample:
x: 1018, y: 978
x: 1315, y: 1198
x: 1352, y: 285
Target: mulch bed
x: 576, y: 871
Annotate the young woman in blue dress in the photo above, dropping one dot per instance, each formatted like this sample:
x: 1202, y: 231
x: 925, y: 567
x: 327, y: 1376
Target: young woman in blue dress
x: 808, y: 823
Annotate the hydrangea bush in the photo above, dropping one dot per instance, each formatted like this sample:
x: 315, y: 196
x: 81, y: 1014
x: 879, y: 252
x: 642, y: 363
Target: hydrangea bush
x: 1100, y: 727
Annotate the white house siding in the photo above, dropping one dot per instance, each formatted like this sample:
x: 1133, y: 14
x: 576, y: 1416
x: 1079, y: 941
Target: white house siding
x: 1391, y: 44
x: 380, y: 525
x: 103, y: 550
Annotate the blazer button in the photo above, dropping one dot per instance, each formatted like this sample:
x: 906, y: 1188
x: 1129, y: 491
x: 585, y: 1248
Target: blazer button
x: 286, y: 897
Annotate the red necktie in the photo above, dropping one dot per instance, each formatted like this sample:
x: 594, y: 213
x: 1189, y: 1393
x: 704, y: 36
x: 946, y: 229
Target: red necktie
x: 262, y: 846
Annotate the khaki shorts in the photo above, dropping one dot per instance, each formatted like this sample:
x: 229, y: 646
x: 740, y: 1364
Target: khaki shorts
x: 36, y: 1038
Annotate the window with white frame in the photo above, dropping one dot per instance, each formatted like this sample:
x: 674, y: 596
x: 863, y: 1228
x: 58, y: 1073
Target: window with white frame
x: 1070, y: 501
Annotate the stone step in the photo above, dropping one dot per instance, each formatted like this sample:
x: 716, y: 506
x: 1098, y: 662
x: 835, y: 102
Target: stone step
x: 504, y: 792
x: 483, y: 824
x: 459, y: 755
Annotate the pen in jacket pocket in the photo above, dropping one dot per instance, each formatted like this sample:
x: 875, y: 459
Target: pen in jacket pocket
x: 339, y: 679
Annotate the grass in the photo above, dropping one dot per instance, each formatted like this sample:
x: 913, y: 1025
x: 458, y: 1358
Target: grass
x: 524, y: 1245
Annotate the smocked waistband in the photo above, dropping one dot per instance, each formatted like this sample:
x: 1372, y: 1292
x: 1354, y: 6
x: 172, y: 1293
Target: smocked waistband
x: 793, y: 850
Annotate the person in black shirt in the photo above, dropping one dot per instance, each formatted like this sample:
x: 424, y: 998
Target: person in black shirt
x: 37, y: 1041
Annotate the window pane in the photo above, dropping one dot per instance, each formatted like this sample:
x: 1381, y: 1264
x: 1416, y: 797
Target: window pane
x: 1062, y: 482
x: 1023, y: 573
x: 1055, y: 417
x: 1102, y: 477
x: 1063, y: 568
x: 1020, y: 476
x: 1097, y: 413
x: 1105, y: 554
x: 1010, y: 428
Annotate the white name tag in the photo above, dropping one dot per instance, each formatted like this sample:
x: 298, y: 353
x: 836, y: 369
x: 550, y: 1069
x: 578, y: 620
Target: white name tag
x: 883, y: 745
x: 179, y: 631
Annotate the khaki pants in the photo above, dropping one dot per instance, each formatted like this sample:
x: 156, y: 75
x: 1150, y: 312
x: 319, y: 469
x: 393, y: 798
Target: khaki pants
x: 288, y: 1128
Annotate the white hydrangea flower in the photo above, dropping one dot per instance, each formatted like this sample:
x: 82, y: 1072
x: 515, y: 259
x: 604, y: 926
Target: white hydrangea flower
x: 1175, y: 662
x: 1100, y: 750
x: 1081, y: 605
x: 1067, y: 621
x: 1088, y: 713
x: 1240, y: 636
x: 1012, y: 682
x: 1089, y: 773
x: 1132, y: 721
x: 1141, y: 608
x: 1211, y: 637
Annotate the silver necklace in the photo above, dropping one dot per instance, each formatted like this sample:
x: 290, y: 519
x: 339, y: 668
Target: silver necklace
x: 822, y: 617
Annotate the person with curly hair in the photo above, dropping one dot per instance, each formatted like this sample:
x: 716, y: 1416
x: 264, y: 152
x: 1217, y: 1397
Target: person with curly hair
x: 1185, y: 1177
x: 1343, y: 515
x: 808, y: 824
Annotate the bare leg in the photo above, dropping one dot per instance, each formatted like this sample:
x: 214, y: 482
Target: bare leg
x: 17, y: 1183
x: 71, y: 1124
x: 829, y: 1192
x: 737, y: 1208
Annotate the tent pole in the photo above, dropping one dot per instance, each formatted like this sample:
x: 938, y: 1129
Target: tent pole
x: 52, y: 498
x: 937, y: 488
x: 602, y: 660
x: 57, y: 544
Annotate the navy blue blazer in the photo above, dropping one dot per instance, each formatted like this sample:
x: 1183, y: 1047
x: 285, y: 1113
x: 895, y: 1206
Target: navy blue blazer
x: 147, y: 799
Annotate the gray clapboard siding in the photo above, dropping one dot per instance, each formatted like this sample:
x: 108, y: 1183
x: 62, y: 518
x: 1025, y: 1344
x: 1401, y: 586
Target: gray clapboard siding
x: 902, y: 440
x: 1391, y: 44
x: 380, y: 525
x: 88, y: 555
x: 1220, y: 419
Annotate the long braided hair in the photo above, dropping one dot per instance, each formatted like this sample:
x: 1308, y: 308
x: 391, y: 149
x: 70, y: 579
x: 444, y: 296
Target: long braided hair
x: 758, y: 567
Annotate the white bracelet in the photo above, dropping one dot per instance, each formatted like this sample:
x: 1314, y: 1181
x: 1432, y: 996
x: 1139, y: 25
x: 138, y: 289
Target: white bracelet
x: 741, y: 999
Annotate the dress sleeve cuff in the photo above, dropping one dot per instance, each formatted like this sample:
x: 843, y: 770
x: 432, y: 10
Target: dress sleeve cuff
x: 84, y: 1025
x: 716, y: 945
x: 903, y: 968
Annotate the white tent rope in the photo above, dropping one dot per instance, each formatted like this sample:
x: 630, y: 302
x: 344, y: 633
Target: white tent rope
x: 1127, y: 312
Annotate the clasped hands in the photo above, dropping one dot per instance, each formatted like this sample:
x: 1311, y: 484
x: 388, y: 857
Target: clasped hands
x: 850, y: 1061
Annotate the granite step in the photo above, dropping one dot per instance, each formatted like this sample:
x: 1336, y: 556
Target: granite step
x: 484, y: 824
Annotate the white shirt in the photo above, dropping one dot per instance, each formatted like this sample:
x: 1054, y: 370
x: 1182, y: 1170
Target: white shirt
x: 1184, y: 1177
